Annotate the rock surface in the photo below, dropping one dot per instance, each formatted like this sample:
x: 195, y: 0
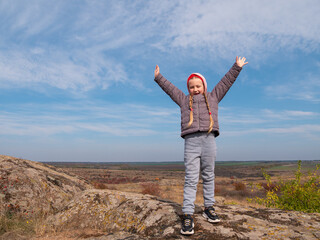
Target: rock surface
x: 149, y: 217
x: 80, y: 212
x: 30, y: 187
x: 111, y: 211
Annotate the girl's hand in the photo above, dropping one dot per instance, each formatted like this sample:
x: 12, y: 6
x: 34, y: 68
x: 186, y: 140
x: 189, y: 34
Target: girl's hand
x: 241, y: 61
x: 156, y: 71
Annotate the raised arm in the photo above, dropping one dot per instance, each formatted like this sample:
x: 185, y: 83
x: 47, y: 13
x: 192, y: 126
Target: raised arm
x: 226, y: 82
x: 174, y: 93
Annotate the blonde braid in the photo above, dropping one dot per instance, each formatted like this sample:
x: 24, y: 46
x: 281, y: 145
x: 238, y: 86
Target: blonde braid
x: 211, y: 120
x: 191, y: 111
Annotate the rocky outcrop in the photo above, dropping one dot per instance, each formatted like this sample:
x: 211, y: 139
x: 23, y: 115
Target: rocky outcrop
x: 76, y: 208
x: 152, y: 218
x: 112, y: 211
x: 31, y: 188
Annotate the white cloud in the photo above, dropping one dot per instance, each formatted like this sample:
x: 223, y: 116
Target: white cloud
x: 269, y: 122
x: 309, y: 128
x: 65, y: 70
x: 306, y: 90
x: 304, y: 131
x: 301, y: 114
x: 108, y: 118
x: 250, y: 27
x: 247, y: 118
x: 223, y: 27
x: 288, y: 115
x: 55, y: 56
x: 25, y: 20
x: 73, y: 39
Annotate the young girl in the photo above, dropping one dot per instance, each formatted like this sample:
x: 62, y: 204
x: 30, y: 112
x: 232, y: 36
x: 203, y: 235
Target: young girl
x: 199, y: 128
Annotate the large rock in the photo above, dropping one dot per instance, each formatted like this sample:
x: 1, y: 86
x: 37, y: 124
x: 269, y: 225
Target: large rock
x: 152, y: 218
x: 112, y: 211
x: 30, y: 187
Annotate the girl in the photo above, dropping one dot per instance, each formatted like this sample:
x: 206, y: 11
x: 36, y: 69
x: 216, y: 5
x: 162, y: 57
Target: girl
x: 199, y: 128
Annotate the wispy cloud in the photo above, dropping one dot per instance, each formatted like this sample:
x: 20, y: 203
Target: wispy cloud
x: 295, y: 129
x: 75, y: 61
x: 306, y: 90
x: 237, y: 122
x: 289, y: 114
x: 73, y: 40
x: 247, y: 117
x: 83, y: 71
x: 305, y: 131
x: 123, y: 120
x: 249, y: 27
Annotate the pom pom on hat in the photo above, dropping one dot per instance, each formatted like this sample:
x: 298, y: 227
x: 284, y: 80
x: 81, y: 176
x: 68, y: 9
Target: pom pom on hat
x: 198, y: 75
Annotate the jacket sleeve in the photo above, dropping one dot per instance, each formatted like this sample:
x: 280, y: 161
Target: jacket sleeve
x: 226, y: 82
x: 175, y: 93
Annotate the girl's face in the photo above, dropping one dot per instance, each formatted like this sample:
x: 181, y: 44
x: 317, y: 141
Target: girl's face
x: 195, y: 86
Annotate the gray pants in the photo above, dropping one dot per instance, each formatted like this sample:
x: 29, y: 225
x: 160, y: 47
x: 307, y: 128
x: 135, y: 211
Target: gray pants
x: 199, y: 155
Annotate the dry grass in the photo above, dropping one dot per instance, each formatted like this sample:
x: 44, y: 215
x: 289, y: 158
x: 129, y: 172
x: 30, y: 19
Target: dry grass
x: 231, y: 190
x: 18, y: 224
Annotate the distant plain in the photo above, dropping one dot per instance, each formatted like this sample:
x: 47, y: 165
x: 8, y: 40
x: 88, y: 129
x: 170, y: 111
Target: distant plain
x: 235, y: 181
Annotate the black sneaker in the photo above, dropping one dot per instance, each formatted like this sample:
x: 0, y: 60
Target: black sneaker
x: 187, y: 225
x: 210, y: 215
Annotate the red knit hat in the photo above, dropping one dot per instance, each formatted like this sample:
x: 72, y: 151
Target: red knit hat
x: 198, y: 75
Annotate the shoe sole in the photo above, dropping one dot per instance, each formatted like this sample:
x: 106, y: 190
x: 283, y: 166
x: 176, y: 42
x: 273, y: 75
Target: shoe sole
x: 188, y: 233
x: 209, y: 219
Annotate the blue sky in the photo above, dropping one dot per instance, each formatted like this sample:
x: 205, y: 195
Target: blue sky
x: 76, y: 77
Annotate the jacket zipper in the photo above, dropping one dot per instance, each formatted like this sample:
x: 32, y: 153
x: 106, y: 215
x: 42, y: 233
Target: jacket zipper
x: 198, y: 116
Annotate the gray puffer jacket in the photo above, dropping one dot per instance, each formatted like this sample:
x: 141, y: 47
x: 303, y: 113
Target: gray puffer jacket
x: 201, y: 119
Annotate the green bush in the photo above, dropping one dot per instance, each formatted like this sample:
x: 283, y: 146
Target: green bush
x: 295, y: 194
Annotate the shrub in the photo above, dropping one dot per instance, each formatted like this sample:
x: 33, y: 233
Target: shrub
x: 239, y: 186
x: 294, y: 194
x: 99, y: 185
x: 151, y: 188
